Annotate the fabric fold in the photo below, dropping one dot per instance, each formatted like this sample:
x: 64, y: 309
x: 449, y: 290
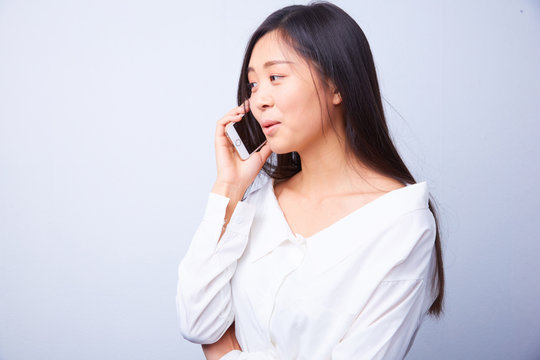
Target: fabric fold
x: 203, y: 299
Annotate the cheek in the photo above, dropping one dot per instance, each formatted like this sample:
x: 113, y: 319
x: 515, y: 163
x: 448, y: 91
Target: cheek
x: 257, y: 116
x: 301, y: 111
x: 253, y: 109
x: 300, y: 97
x: 289, y: 104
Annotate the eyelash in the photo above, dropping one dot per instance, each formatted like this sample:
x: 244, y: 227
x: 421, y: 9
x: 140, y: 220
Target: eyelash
x: 251, y: 84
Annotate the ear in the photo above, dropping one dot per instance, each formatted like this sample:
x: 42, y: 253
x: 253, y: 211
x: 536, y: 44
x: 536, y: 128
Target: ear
x: 336, y: 97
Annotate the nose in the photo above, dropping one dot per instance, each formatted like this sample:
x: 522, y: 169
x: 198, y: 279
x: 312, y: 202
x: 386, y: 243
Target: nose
x: 262, y: 98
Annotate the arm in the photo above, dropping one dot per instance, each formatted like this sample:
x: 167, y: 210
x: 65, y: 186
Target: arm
x: 203, y: 298
x: 387, y: 324
x: 204, y: 295
x: 228, y: 341
x: 223, y: 346
x: 386, y: 327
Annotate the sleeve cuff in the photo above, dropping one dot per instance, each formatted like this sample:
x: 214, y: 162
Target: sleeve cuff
x: 241, y: 218
x: 216, y: 207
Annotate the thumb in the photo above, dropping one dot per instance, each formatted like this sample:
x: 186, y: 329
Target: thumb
x: 265, y: 152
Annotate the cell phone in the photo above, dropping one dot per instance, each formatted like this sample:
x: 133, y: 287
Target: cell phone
x: 246, y: 135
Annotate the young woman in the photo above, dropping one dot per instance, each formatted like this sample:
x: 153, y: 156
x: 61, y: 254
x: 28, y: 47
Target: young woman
x: 334, y: 252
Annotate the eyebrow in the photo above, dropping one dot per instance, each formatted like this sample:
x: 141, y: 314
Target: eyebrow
x: 271, y: 63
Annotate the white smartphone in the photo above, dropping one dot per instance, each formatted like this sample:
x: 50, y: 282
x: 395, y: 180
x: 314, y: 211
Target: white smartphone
x: 246, y: 135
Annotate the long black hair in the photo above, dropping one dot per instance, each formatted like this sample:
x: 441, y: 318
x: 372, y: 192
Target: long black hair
x: 336, y: 46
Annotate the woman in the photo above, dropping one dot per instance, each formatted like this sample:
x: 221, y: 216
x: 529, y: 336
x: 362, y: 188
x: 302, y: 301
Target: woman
x: 335, y: 252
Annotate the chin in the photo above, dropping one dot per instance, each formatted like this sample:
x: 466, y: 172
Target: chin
x: 278, y: 148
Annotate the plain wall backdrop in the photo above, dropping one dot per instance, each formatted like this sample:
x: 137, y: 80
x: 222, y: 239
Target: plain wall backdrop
x: 107, y: 116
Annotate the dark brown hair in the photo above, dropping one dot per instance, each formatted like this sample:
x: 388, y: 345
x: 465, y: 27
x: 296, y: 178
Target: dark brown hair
x: 333, y: 42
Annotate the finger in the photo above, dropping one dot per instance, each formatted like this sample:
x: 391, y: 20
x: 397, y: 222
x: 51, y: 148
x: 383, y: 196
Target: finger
x: 263, y: 153
x: 229, y: 118
x: 221, y: 138
x: 234, y: 115
x: 223, y: 122
x: 245, y: 106
x: 240, y: 109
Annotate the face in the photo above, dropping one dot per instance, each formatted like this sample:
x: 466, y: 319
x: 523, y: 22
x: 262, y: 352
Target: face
x: 287, y: 98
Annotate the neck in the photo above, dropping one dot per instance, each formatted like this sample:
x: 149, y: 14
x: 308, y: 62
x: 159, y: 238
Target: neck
x: 326, y: 171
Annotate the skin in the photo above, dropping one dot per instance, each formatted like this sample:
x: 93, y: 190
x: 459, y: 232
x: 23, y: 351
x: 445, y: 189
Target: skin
x: 286, y: 88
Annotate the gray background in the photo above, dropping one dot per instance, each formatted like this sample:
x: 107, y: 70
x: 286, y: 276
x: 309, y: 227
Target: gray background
x: 107, y: 114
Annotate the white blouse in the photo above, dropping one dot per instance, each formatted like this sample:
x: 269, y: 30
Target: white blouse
x: 357, y: 289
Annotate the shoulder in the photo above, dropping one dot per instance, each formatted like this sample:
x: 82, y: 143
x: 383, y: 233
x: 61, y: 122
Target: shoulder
x: 415, y: 222
x: 412, y: 234
x: 412, y: 251
x: 405, y: 222
x: 407, y: 203
x: 409, y: 206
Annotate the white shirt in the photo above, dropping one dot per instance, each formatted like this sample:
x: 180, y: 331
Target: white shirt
x: 357, y: 289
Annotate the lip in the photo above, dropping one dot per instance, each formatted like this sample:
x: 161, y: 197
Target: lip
x: 269, y: 126
x: 268, y: 123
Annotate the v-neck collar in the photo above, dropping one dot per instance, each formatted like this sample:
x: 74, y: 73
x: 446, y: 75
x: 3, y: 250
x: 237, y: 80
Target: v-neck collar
x: 394, y: 194
x: 402, y: 200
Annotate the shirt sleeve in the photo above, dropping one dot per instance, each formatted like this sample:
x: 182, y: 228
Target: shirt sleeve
x: 387, y: 325
x: 203, y: 296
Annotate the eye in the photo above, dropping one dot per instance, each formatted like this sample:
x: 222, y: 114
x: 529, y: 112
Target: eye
x: 275, y: 77
x: 251, y: 85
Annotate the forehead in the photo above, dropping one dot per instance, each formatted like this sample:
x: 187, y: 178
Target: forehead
x: 272, y: 47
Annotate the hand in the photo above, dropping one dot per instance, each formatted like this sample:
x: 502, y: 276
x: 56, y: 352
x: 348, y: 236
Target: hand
x: 234, y: 175
x: 225, y: 344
